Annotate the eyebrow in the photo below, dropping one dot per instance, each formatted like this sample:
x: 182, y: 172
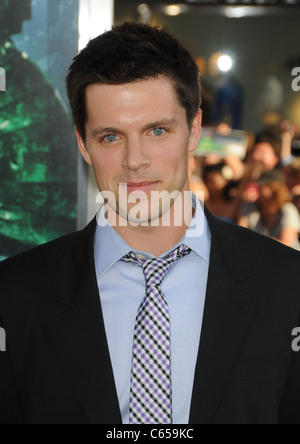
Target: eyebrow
x: 111, y: 130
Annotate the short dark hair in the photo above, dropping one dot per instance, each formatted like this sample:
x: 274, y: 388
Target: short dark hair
x: 128, y: 53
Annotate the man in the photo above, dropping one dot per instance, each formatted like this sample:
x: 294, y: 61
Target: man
x: 134, y: 320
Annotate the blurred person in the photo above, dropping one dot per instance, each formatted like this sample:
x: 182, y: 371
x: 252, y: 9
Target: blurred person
x: 217, y: 179
x: 211, y: 159
x: 288, y: 132
x: 223, y: 128
x: 250, y: 193
x: 237, y: 167
x: 233, y: 162
x: 275, y: 216
x: 229, y: 99
x: 265, y: 154
x: 263, y: 157
x: 296, y: 146
x: 296, y: 202
x: 283, y: 132
x: 292, y: 174
x: 195, y: 181
x: 296, y: 196
x: 121, y: 322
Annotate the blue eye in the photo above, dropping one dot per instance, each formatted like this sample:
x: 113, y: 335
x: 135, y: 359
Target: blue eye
x: 111, y: 138
x: 158, y: 132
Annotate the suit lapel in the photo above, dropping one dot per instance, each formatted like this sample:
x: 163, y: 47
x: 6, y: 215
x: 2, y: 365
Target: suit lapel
x: 229, y: 313
x: 78, y: 333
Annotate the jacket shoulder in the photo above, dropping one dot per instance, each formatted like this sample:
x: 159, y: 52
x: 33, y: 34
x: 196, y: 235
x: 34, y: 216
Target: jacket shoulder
x: 43, y: 256
x: 33, y: 272
x: 259, y: 243
x: 266, y: 255
x: 261, y: 252
x: 49, y: 254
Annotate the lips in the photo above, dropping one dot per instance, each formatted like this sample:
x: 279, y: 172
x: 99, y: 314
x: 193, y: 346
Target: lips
x: 141, y: 186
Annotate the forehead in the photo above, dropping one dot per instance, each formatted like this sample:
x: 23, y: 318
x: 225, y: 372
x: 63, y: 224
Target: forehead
x: 133, y: 102
x: 263, y: 146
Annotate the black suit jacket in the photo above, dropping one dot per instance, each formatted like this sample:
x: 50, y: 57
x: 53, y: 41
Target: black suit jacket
x: 57, y: 366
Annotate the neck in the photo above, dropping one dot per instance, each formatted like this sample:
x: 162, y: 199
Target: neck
x: 158, y: 239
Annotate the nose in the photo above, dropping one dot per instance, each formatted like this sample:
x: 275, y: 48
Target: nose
x: 135, y: 155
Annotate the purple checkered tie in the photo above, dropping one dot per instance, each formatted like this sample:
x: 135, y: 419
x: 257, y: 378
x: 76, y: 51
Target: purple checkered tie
x: 151, y: 385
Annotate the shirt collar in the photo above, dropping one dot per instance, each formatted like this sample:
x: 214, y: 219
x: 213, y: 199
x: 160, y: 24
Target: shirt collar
x: 110, y: 247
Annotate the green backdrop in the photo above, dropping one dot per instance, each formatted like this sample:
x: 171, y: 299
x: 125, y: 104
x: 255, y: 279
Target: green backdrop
x: 38, y: 157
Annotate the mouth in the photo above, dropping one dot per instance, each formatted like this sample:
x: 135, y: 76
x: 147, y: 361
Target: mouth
x: 141, y: 186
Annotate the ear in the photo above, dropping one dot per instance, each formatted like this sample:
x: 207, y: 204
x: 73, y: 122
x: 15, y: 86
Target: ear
x: 196, y: 132
x: 81, y: 145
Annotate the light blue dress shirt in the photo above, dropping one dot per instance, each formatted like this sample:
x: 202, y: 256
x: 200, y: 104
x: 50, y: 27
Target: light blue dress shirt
x: 122, y: 289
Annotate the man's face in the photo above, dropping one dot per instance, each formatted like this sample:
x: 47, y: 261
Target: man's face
x: 137, y: 134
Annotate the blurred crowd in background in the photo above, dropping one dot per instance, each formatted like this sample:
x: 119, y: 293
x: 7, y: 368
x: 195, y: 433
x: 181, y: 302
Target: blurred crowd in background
x: 260, y: 192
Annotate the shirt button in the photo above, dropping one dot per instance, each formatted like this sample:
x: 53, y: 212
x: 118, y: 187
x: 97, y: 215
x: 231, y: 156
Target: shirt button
x: 141, y: 257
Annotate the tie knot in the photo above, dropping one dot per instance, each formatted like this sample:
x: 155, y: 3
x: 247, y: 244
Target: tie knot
x: 156, y: 269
